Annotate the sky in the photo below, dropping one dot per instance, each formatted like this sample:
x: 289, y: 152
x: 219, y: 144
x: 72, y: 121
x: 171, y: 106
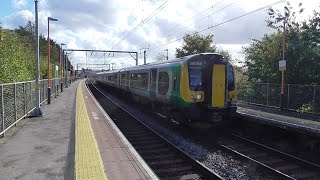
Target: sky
x: 154, y: 25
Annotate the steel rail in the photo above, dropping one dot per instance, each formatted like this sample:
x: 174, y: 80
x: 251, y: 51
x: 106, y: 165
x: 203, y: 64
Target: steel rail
x: 205, y: 171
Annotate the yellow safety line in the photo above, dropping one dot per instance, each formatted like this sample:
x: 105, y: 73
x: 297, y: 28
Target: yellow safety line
x: 88, y: 162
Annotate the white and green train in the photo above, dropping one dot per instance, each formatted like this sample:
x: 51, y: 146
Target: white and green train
x: 198, y: 87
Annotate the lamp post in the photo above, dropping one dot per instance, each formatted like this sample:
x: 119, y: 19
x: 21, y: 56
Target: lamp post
x: 61, y: 64
x: 37, y: 111
x: 49, y: 81
x: 66, y: 67
x: 70, y: 80
x: 167, y: 54
x: 283, y: 62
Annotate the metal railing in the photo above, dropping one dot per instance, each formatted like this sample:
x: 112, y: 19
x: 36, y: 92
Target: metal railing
x: 17, y: 100
x: 301, y: 98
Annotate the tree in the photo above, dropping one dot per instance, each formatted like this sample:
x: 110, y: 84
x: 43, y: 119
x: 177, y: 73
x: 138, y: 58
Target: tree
x: 17, y: 55
x: 16, y: 59
x: 195, y: 43
x: 302, y: 50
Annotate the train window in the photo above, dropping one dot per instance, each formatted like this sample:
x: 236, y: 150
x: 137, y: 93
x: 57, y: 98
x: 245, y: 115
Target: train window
x: 195, y: 78
x: 109, y: 78
x: 230, y: 78
x: 133, y: 79
x: 163, y: 83
x: 123, y: 79
x: 143, y: 80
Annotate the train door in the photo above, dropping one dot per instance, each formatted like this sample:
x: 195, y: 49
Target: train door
x: 218, y: 85
x: 207, y: 85
x: 153, y: 83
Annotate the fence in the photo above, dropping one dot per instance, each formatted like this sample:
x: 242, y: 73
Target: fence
x: 17, y: 100
x: 301, y: 98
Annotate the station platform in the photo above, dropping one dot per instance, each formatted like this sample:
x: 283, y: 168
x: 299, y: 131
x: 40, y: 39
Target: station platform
x: 75, y: 139
x: 304, y: 123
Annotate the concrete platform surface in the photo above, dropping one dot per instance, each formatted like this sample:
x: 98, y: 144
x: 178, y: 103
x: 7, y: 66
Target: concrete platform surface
x: 39, y: 149
x: 120, y: 159
x: 307, y: 124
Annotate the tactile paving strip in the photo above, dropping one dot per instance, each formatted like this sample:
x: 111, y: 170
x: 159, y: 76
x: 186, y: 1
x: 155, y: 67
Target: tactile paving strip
x: 88, y: 162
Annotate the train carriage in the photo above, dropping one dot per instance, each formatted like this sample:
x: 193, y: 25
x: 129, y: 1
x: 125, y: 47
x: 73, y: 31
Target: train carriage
x: 198, y: 87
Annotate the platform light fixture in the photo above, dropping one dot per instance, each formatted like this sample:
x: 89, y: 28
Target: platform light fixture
x: 49, y: 80
x: 61, y: 64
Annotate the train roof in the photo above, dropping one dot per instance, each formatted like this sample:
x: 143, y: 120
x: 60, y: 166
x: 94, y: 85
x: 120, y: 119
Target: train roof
x: 163, y: 63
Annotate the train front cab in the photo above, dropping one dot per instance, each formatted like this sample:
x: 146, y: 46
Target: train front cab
x: 209, y: 87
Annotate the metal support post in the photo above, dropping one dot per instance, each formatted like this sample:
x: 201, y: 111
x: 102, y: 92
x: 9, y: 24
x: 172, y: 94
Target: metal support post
x: 37, y: 111
x: 67, y: 70
x: 288, y: 96
x: 144, y: 54
x: 2, y: 111
x: 167, y: 54
x: 43, y: 92
x: 61, y: 67
x: 56, y: 81
x: 283, y: 58
x: 15, y: 103
x: 136, y: 59
x: 49, y: 72
x: 24, y: 98
x: 144, y: 57
x: 314, y: 98
x: 31, y: 98
x: 267, y: 94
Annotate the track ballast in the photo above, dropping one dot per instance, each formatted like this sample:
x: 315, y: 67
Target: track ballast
x: 164, y: 158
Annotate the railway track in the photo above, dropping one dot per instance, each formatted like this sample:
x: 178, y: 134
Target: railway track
x: 164, y: 158
x: 285, y: 165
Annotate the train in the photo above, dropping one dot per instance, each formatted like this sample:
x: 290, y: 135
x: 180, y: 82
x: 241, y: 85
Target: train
x: 194, y: 88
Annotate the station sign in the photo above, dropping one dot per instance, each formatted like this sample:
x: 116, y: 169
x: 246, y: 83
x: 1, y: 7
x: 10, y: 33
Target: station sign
x: 282, y: 65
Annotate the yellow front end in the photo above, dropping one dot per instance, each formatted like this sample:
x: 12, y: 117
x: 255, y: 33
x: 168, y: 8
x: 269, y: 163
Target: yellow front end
x: 218, y: 86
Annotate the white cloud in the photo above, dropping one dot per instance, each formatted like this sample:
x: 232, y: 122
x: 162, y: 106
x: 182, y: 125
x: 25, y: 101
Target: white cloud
x: 100, y: 24
x: 18, y: 4
x: 19, y: 18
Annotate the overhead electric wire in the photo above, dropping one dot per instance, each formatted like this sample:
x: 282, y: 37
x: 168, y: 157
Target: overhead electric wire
x: 184, y: 25
x: 193, y: 17
x: 142, y: 22
x: 206, y: 16
x: 130, y: 23
x: 232, y: 19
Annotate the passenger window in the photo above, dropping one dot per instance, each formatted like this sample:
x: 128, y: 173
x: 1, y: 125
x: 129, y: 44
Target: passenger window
x: 163, y: 83
x: 123, y: 79
x: 133, y: 79
x: 143, y: 80
x: 230, y: 78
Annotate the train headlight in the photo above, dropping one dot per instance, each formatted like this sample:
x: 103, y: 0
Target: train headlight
x: 192, y: 97
x: 199, y: 96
